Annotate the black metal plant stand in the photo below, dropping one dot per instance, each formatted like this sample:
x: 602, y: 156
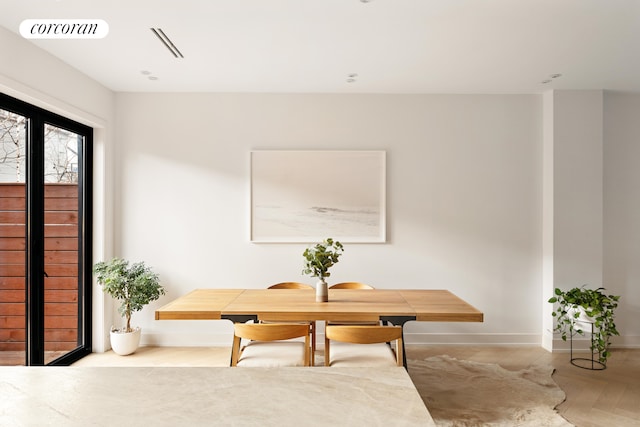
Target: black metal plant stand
x: 593, y: 363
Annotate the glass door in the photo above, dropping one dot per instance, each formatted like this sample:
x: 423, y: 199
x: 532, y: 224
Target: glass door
x: 45, y: 237
x: 62, y: 243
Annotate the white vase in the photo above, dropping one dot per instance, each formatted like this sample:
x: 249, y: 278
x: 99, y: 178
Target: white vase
x: 322, y: 291
x: 125, y: 343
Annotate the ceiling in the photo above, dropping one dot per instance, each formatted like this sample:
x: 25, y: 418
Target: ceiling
x: 313, y: 46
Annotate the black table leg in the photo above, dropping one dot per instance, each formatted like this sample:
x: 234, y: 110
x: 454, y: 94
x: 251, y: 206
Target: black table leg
x: 400, y: 321
x: 239, y: 318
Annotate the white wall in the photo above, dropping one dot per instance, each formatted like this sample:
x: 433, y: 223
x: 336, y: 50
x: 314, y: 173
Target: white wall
x: 464, y: 204
x: 30, y: 74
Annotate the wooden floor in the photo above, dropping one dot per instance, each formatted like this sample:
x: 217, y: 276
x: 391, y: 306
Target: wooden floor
x: 609, y: 398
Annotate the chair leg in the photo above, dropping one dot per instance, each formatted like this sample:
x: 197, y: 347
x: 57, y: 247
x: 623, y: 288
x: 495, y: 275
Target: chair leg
x: 312, y: 353
x: 235, y: 351
x: 327, y: 359
x: 307, y: 352
x: 400, y: 356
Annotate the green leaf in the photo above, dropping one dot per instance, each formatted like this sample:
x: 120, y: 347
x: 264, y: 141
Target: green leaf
x: 321, y: 257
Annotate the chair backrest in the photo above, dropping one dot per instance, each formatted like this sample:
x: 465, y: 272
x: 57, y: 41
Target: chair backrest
x: 351, y: 285
x: 290, y: 285
x: 297, y: 285
x: 270, y: 332
x: 361, y: 334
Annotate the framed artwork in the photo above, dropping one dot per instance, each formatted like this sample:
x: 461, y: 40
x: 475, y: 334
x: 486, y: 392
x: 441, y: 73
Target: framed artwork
x: 308, y: 196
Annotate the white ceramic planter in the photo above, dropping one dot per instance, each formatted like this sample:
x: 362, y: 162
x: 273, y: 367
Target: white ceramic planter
x: 125, y: 343
x: 583, y: 321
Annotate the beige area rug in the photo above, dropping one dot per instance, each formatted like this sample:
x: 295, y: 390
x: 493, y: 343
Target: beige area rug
x: 465, y: 393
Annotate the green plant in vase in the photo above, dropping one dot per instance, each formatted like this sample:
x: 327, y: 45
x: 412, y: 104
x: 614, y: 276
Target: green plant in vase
x: 581, y: 305
x: 318, y: 259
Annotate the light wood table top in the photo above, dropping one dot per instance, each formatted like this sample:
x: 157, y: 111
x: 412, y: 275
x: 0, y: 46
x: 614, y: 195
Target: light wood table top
x: 200, y: 304
x: 440, y: 306
x: 300, y: 304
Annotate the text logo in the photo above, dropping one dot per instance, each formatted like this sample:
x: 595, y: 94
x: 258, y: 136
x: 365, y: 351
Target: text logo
x: 64, y: 28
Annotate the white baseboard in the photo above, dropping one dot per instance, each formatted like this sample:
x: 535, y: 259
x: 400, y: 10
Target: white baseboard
x: 224, y: 339
x: 219, y: 339
x: 582, y: 344
x: 473, y: 339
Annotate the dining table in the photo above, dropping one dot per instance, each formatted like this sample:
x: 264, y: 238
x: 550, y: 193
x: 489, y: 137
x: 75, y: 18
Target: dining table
x: 401, y: 305
x: 395, y: 306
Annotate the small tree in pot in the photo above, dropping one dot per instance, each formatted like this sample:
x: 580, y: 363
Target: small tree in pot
x: 134, y: 286
x: 317, y: 261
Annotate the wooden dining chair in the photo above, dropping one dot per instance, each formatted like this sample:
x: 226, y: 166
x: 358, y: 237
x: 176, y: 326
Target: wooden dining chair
x: 296, y: 285
x: 363, y: 345
x: 271, y: 345
x: 290, y: 285
x: 351, y: 285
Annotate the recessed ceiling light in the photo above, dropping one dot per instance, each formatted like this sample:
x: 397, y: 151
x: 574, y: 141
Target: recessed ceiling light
x: 551, y: 78
x: 153, y: 78
x: 145, y: 72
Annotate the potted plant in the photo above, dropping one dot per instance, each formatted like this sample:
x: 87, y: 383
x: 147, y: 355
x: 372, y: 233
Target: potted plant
x: 318, y: 260
x: 580, y: 307
x: 134, y: 286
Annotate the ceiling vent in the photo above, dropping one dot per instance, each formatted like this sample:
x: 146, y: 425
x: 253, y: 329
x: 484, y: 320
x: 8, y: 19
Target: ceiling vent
x: 167, y: 42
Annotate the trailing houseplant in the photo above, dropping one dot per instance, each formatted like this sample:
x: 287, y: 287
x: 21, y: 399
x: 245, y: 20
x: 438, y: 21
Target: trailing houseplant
x: 318, y: 259
x: 599, y: 308
x: 134, y: 286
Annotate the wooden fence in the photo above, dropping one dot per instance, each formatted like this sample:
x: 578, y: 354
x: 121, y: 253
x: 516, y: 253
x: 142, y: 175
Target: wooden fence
x: 61, y: 266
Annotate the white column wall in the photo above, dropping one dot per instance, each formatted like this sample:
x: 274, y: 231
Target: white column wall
x: 573, y: 226
x: 578, y: 181
x: 622, y: 211
x: 548, y: 218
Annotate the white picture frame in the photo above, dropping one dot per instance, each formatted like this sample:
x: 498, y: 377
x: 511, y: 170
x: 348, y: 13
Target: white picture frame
x: 308, y: 196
